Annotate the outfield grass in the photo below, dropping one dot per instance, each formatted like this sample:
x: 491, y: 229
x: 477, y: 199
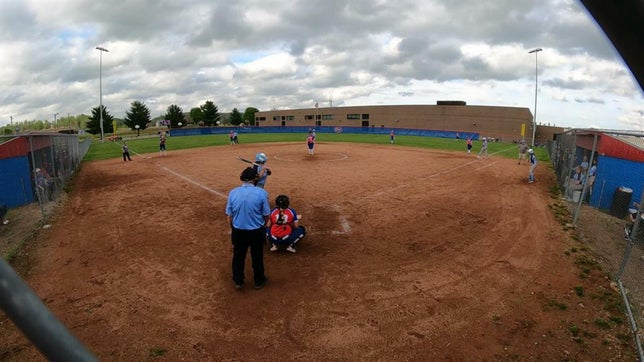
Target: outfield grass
x: 106, y: 150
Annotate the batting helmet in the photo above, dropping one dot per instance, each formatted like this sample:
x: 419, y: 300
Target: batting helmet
x: 282, y: 201
x: 249, y: 174
x: 261, y: 157
x: 530, y: 151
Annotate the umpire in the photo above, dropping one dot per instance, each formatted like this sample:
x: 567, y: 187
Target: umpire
x: 248, y: 210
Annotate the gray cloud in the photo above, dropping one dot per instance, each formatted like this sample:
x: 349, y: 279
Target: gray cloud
x: 289, y: 54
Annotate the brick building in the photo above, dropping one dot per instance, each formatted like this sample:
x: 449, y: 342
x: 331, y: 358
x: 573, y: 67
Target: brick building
x: 507, y: 124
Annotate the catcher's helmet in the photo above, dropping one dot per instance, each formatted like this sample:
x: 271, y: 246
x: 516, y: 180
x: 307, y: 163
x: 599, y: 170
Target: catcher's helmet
x: 249, y: 174
x: 261, y: 157
x: 282, y: 201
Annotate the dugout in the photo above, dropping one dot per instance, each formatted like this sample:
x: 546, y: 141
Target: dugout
x: 620, y: 164
x: 59, y: 154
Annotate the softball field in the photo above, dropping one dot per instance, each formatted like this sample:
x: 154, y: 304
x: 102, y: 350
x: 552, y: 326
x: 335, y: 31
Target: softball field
x: 411, y: 255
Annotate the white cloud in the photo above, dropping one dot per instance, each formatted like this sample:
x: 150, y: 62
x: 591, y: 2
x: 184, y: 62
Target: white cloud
x: 285, y: 54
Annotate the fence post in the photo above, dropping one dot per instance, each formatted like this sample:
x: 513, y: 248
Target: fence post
x: 38, y: 324
x: 585, y: 187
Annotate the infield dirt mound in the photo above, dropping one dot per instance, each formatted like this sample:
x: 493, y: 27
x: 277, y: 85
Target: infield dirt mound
x: 412, y: 254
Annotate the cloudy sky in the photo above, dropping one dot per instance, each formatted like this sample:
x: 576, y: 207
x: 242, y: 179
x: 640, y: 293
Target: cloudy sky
x: 281, y: 54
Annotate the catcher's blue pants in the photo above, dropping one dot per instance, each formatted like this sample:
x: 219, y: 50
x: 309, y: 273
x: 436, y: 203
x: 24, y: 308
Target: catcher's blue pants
x: 292, y: 239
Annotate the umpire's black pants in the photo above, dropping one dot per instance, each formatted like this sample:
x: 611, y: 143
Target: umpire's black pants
x: 242, y: 240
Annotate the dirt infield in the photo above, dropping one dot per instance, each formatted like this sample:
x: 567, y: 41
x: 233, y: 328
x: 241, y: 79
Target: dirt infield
x: 412, y: 255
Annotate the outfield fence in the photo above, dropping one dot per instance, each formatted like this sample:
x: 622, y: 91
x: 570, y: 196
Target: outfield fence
x: 37, y: 167
x: 604, y: 171
x: 195, y: 131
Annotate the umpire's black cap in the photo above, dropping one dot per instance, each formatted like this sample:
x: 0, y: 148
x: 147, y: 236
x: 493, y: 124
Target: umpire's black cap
x: 249, y: 174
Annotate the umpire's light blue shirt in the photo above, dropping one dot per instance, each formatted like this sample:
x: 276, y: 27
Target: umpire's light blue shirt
x: 248, y: 205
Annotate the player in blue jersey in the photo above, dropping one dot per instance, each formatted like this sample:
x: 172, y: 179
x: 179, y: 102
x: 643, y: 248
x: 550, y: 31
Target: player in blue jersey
x: 262, y: 170
x: 533, y: 164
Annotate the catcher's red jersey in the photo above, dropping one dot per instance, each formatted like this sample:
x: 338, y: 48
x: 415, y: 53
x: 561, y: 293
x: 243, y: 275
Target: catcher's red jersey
x: 282, y: 222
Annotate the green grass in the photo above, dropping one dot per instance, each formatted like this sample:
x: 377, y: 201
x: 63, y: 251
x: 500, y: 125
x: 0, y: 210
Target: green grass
x: 106, y: 150
x: 553, y: 304
x: 157, y: 352
x: 579, y: 291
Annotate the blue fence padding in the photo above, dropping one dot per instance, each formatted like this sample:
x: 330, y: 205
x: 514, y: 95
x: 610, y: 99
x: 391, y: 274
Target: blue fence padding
x: 15, y: 179
x: 320, y: 130
x: 613, y: 173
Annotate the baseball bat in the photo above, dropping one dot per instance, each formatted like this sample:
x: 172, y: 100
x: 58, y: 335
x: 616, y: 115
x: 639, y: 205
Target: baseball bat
x: 245, y: 160
x: 268, y: 171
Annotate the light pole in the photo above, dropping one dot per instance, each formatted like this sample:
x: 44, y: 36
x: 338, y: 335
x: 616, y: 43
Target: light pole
x: 100, y: 87
x: 54, y: 125
x: 536, y: 74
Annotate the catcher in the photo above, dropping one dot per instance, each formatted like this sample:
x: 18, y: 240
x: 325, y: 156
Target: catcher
x: 283, y: 226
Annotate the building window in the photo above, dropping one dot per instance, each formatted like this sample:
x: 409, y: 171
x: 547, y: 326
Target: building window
x: 276, y: 118
x: 327, y: 116
x: 309, y: 116
x: 261, y: 118
x: 353, y: 116
x: 365, y: 116
x: 290, y: 118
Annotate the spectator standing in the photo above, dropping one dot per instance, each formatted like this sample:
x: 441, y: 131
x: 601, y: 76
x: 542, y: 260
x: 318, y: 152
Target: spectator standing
x: 247, y: 210
x: 391, y: 136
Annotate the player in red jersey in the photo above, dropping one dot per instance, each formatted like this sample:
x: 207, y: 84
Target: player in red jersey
x: 283, y: 226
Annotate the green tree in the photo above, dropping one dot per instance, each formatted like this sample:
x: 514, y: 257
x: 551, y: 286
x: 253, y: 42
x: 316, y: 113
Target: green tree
x: 196, y: 115
x: 175, y: 115
x: 249, y: 115
x: 236, y: 117
x: 80, y: 121
x: 210, y: 113
x: 94, y: 124
x: 139, y: 114
x: 39, y: 125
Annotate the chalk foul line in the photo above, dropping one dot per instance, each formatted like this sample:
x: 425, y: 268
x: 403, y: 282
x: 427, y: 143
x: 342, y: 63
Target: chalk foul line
x: 195, y: 183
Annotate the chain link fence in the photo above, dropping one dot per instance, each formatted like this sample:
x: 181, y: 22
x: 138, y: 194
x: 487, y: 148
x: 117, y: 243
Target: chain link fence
x: 37, y: 167
x: 600, y: 175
